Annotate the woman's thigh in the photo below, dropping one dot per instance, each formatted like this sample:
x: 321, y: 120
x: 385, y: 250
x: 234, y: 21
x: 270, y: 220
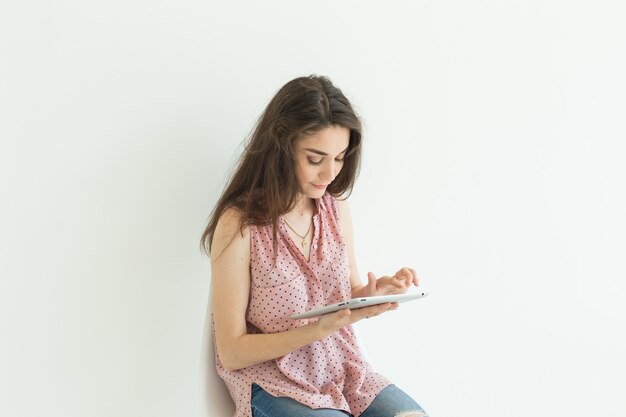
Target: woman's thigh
x: 393, y: 402
x: 266, y: 405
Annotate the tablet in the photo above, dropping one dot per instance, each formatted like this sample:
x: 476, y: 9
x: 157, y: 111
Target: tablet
x: 360, y: 303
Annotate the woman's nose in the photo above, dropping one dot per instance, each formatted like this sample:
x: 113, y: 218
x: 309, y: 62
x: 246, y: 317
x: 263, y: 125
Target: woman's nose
x: 328, y: 174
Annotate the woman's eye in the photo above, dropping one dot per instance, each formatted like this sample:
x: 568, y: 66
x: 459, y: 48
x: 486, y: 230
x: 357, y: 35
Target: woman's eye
x: 339, y: 160
x: 312, y: 162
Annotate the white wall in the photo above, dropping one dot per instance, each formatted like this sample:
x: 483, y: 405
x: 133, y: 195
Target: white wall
x: 493, y: 166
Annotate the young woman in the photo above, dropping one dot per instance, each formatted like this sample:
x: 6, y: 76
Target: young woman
x: 280, y: 243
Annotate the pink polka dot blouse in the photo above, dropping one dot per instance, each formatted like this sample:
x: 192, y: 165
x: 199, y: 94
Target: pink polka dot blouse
x: 328, y: 373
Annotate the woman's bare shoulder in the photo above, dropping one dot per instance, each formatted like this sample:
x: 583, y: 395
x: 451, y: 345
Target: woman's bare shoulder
x: 343, y: 207
x: 229, y: 235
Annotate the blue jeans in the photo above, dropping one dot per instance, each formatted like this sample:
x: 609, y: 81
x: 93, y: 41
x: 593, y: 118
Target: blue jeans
x: 391, y: 402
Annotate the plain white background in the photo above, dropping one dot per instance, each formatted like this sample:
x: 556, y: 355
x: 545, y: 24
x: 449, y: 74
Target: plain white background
x: 493, y: 165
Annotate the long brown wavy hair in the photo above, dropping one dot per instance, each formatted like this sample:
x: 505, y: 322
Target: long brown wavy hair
x: 264, y: 185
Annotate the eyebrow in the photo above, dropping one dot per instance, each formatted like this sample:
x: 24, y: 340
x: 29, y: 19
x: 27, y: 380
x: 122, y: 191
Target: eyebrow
x: 317, y: 151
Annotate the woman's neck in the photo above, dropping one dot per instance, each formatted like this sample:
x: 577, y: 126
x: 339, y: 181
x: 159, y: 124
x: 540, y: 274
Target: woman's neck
x: 304, y: 207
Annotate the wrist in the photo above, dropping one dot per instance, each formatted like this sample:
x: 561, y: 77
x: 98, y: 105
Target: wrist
x: 319, y: 331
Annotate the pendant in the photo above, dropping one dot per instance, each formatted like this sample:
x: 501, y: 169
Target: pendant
x: 304, y: 244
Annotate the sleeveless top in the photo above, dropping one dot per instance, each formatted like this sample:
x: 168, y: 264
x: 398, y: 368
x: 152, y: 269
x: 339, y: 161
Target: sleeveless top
x: 328, y: 373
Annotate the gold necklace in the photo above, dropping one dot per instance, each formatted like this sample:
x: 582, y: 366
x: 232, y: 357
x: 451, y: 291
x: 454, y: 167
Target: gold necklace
x: 300, y: 236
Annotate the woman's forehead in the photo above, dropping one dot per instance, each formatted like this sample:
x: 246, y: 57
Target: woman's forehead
x: 331, y: 139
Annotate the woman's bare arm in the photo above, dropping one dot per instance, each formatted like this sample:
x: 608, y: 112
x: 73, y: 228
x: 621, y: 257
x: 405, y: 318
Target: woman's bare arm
x: 345, y: 221
x: 230, y: 287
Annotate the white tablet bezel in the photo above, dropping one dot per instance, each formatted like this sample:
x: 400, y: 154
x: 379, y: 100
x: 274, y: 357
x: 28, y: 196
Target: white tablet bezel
x: 359, y: 302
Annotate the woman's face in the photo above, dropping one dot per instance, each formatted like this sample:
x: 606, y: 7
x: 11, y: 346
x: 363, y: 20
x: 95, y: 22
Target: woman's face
x: 319, y: 158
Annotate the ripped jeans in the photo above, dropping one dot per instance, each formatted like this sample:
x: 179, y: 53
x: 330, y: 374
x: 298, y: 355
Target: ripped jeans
x: 391, y: 402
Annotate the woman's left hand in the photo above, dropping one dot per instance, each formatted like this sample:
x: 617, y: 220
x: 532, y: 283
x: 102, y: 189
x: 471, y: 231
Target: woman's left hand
x: 399, y: 283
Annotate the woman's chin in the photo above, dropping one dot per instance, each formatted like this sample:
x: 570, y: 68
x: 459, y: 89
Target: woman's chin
x: 317, y: 193
x: 313, y: 192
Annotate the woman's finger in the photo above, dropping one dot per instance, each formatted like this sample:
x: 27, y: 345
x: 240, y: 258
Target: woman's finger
x: 372, y: 311
x: 416, y: 281
x: 409, y: 275
x: 405, y: 280
x: 371, y: 283
x: 406, y: 274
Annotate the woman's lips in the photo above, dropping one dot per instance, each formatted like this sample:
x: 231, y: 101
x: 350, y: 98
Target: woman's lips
x: 320, y: 187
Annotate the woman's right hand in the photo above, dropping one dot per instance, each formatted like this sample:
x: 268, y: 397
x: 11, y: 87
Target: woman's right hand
x: 329, y: 323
